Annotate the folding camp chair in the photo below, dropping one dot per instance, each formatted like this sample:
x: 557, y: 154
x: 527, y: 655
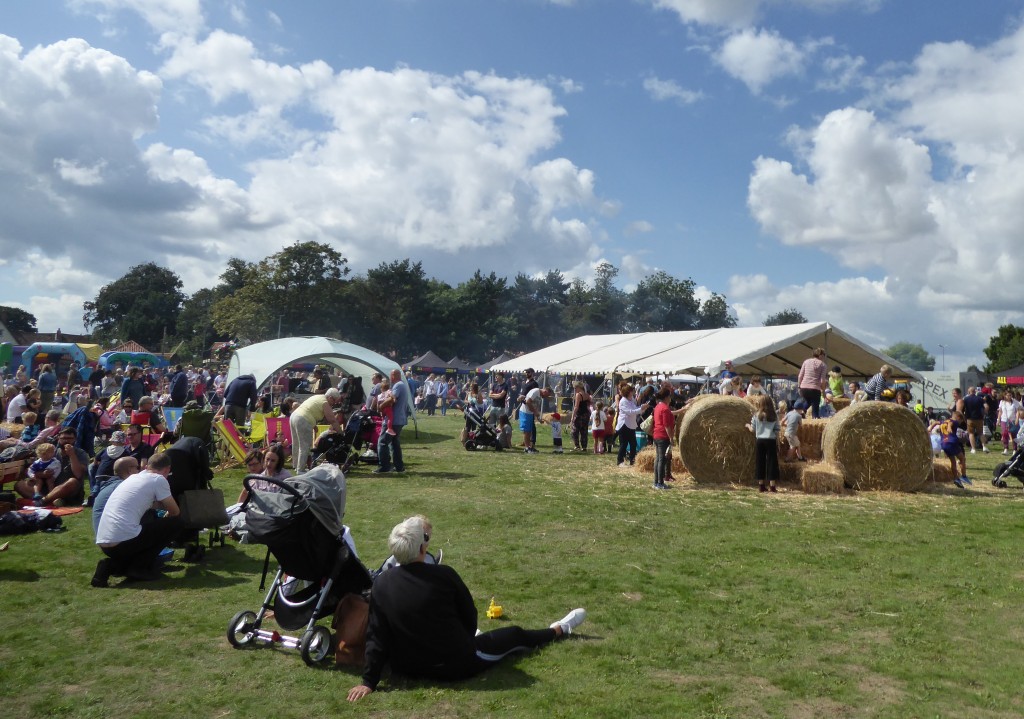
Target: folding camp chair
x: 198, y: 423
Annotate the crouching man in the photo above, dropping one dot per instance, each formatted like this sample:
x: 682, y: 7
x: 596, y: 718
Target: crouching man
x: 131, y: 532
x: 423, y: 620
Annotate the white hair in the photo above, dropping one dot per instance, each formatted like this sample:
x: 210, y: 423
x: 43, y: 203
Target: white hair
x: 333, y: 393
x: 406, y: 540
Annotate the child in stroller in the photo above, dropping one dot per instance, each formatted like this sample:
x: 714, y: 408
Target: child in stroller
x: 302, y: 527
x: 363, y: 427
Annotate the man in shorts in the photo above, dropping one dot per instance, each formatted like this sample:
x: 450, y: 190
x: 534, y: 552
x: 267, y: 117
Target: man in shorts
x: 530, y: 414
x: 974, y: 414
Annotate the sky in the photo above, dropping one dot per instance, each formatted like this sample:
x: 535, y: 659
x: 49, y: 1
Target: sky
x: 859, y: 160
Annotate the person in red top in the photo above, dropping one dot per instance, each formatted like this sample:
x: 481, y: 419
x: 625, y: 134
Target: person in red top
x: 664, y: 429
x: 813, y: 378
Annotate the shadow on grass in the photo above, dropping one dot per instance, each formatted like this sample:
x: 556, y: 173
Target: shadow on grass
x: 19, y: 575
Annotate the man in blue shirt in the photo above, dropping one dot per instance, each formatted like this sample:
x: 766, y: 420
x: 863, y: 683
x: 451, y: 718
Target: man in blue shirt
x: 390, y: 444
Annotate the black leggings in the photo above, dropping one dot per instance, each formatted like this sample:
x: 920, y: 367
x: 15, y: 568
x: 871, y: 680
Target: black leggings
x: 766, y: 460
x: 491, y: 648
x: 813, y: 399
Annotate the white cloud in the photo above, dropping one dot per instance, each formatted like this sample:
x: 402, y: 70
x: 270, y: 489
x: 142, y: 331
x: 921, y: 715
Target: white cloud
x: 841, y: 72
x: 237, y: 11
x: 670, y: 90
x: 77, y: 174
x: 172, y: 16
x: 739, y: 13
x: 933, y: 193
x: 759, y: 57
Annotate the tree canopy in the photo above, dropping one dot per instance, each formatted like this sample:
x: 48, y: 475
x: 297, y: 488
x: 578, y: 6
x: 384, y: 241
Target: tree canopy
x: 394, y: 308
x: 143, y: 305
x: 789, y: 316
x: 17, y: 319
x: 1006, y: 349
x: 913, y: 356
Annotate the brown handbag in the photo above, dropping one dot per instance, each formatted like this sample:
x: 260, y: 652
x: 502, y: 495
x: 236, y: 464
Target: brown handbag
x: 350, y: 621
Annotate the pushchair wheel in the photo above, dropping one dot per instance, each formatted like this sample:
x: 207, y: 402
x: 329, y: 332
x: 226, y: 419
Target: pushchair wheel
x: 997, y: 482
x: 316, y: 645
x: 242, y: 629
x: 470, y: 445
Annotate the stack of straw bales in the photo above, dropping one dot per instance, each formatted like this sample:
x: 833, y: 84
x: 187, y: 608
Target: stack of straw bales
x: 714, y: 442
x: 877, y: 445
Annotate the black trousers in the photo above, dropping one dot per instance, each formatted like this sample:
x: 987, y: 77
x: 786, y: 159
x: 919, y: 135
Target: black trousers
x: 766, y: 460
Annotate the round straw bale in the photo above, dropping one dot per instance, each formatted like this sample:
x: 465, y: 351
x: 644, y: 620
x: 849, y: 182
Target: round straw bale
x: 714, y: 442
x: 840, y: 403
x: 690, y: 404
x: 12, y: 428
x: 879, y: 446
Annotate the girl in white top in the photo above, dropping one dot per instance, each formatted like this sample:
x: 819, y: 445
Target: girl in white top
x: 597, y: 421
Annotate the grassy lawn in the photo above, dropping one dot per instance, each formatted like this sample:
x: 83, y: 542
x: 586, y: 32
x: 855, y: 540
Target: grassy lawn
x: 707, y: 601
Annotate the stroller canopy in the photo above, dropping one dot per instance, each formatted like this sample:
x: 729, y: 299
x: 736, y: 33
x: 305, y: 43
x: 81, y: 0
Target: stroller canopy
x: 323, y: 493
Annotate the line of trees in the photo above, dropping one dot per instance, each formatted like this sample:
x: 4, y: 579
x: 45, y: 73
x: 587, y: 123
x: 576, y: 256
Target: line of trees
x: 394, y: 308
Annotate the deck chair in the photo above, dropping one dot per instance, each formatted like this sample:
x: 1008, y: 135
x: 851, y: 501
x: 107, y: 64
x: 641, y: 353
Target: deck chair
x: 228, y: 437
x: 258, y: 429
x: 279, y: 431
x: 172, y: 415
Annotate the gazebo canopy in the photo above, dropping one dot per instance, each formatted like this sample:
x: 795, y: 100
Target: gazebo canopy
x: 264, y: 359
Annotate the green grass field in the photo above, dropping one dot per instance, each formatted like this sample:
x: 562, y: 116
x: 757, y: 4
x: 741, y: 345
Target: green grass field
x: 709, y: 601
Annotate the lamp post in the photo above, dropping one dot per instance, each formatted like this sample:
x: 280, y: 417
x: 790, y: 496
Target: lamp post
x: 943, y: 348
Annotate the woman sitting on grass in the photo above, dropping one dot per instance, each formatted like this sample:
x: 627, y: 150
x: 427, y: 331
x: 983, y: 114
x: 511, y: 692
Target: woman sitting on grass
x: 267, y: 464
x: 423, y: 620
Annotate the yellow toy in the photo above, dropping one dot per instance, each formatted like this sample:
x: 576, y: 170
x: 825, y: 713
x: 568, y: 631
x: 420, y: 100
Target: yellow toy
x: 494, y: 611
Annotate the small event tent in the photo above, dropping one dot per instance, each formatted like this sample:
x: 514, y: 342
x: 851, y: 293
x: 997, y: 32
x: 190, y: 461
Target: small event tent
x: 264, y: 359
x: 768, y: 351
x: 428, y: 363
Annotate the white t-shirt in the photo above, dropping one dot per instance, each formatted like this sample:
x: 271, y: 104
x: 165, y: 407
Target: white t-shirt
x: 16, y: 407
x: 123, y: 511
x: 532, y: 396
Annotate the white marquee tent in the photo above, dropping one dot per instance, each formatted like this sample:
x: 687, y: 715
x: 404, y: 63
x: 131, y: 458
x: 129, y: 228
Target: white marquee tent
x: 264, y: 359
x: 768, y: 351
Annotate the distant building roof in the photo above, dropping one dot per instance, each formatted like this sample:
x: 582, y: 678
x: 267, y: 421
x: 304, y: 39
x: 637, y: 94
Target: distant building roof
x: 130, y: 346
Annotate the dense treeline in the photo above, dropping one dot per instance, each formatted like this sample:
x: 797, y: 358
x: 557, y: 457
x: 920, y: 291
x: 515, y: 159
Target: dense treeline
x: 305, y: 289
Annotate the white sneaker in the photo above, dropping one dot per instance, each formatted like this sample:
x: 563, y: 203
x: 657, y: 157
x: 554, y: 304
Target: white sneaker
x: 1006, y: 451
x: 570, y: 621
x: 972, y: 451
x: 985, y: 449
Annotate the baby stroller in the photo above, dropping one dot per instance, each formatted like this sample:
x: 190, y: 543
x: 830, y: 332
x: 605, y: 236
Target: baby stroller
x: 479, y: 432
x: 343, y: 449
x: 1014, y: 467
x: 302, y: 527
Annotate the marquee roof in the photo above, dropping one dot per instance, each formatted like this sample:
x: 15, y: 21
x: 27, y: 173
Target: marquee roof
x: 769, y: 351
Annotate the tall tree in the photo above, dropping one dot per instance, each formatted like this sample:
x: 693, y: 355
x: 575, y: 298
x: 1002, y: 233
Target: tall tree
x: 1006, y: 349
x: 297, y: 290
x: 533, y: 310
x: 392, y: 310
x: 143, y: 305
x: 714, y: 313
x: 195, y: 324
x: 662, y: 303
x: 913, y: 356
x: 607, y: 302
x: 790, y: 316
x: 17, y: 320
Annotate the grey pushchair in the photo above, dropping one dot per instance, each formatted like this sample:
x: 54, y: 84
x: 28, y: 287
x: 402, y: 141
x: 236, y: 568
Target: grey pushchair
x: 302, y: 527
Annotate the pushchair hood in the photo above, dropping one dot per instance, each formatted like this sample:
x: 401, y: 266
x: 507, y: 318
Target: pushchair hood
x: 321, y: 490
